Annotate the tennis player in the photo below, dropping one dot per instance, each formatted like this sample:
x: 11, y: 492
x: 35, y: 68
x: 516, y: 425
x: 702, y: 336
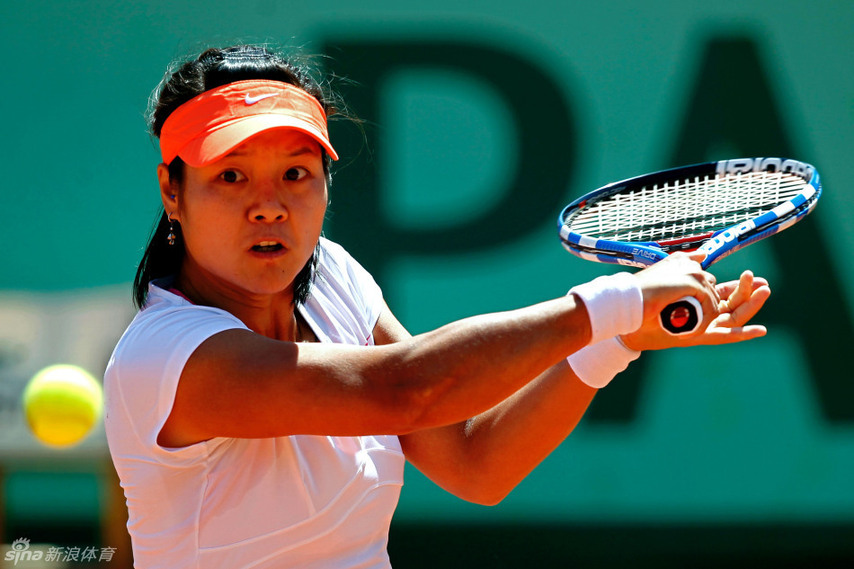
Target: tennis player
x: 261, y: 405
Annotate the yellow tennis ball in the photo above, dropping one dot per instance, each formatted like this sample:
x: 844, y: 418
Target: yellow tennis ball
x: 62, y: 404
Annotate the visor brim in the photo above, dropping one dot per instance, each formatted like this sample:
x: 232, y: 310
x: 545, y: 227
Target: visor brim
x: 211, y: 146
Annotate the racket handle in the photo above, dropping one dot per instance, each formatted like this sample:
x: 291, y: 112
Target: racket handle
x: 682, y: 316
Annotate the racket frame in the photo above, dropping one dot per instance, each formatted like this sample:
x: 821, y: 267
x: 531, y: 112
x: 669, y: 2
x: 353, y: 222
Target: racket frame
x: 716, y: 245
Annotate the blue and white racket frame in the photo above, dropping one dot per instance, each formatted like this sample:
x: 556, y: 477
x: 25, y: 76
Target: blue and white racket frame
x: 717, y: 244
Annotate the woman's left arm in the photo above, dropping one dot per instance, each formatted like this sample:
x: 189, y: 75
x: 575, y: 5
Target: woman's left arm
x: 482, y: 459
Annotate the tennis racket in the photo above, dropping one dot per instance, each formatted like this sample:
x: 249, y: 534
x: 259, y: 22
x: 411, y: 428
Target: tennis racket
x: 714, y: 207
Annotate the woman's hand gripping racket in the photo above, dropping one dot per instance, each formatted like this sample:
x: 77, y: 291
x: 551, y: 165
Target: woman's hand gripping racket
x: 715, y: 208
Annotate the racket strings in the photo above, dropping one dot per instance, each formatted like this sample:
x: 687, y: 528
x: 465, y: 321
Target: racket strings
x: 685, y: 209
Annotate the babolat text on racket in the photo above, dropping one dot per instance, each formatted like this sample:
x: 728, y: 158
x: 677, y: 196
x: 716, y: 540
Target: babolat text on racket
x: 715, y: 207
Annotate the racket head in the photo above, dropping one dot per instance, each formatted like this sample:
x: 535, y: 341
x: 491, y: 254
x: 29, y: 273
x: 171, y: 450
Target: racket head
x: 715, y: 207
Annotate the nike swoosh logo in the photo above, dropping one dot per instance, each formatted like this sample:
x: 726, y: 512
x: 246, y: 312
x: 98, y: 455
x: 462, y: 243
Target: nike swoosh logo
x: 252, y: 100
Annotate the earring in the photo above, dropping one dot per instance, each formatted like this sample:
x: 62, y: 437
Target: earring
x: 170, y: 238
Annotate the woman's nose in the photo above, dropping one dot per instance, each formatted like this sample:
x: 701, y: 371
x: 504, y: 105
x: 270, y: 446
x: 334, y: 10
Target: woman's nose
x: 269, y: 205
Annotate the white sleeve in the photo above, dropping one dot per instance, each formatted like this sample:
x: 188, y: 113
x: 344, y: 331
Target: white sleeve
x: 367, y: 292
x: 142, y: 377
x: 345, y: 301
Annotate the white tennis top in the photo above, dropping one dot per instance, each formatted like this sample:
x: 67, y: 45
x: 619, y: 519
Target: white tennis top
x: 297, y: 501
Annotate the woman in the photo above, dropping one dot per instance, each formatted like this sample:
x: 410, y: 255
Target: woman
x: 262, y: 403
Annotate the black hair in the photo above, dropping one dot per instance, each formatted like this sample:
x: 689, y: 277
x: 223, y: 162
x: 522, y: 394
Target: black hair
x: 213, y: 68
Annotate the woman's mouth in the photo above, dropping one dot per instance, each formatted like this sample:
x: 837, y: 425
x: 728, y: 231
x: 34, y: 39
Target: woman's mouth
x: 267, y: 247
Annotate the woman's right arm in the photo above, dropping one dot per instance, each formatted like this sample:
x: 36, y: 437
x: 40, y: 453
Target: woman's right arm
x: 241, y: 384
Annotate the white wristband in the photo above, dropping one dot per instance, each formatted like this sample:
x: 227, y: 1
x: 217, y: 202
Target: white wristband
x: 614, y: 304
x: 597, y: 364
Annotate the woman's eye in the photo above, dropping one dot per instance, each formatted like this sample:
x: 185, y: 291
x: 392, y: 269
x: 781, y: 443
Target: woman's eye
x: 231, y: 176
x: 294, y: 174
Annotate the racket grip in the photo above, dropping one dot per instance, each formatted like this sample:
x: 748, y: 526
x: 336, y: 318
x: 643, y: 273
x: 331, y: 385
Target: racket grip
x: 682, y: 316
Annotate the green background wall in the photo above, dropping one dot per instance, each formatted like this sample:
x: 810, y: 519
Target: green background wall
x: 484, y: 118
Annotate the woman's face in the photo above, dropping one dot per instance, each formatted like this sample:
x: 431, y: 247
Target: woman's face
x: 252, y: 219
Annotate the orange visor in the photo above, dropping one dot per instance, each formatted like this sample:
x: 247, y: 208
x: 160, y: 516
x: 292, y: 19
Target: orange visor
x: 209, y: 126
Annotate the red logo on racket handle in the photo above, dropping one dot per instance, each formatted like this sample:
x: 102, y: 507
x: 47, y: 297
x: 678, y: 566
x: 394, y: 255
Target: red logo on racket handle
x: 679, y: 317
x: 683, y: 316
